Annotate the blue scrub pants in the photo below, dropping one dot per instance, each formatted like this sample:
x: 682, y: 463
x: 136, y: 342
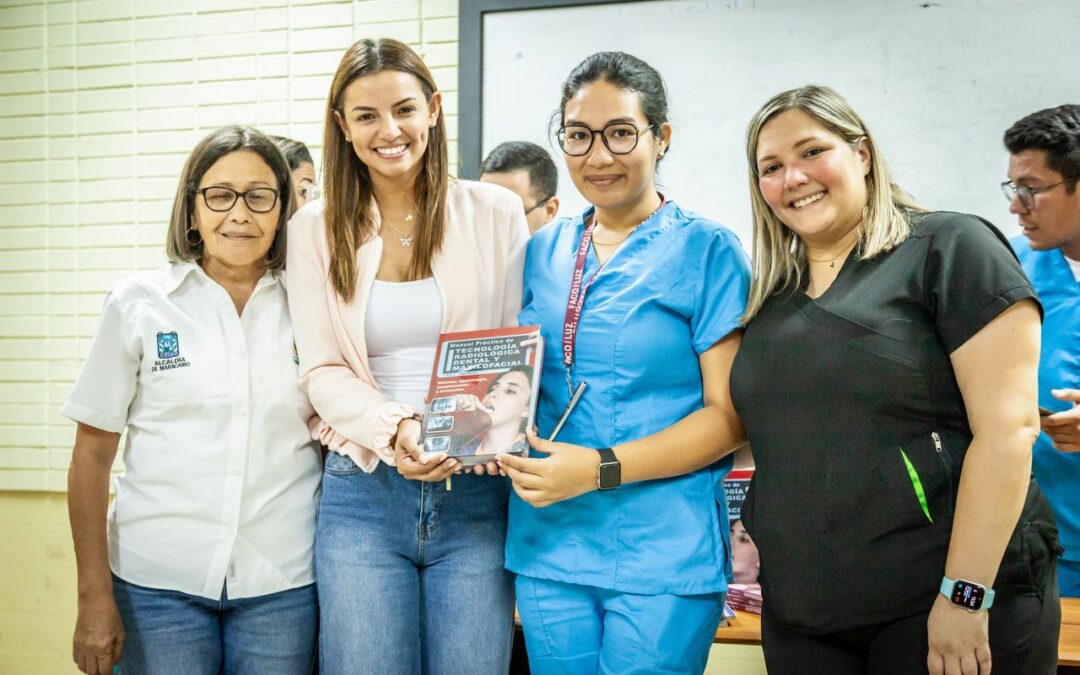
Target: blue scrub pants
x: 583, y: 630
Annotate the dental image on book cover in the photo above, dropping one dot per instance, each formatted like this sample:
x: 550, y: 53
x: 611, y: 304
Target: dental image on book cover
x: 483, y: 393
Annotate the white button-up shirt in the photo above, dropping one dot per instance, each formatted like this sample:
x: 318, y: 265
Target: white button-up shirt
x: 221, y: 477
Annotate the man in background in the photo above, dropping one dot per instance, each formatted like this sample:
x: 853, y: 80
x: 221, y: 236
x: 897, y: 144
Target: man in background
x: 527, y: 170
x: 1044, y: 168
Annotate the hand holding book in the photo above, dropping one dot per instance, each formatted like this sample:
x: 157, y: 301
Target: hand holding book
x: 482, y: 397
x: 412, y: 462
x: 567, y: 471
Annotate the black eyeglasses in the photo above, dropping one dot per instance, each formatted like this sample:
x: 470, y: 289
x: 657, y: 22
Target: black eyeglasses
x: 538, y: 204
x: 259, y: 200
x: 620, y: 138
x: 1027, y: 194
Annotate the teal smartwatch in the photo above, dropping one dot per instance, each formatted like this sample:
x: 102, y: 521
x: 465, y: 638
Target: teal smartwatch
x: 967, y: 594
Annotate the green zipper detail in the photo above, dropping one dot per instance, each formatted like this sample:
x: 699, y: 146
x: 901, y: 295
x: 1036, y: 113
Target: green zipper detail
x: 917, y: 484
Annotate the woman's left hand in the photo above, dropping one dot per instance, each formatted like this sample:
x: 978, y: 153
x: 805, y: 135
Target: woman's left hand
x: 413, y: 463
x: 567, y: 471
x: 958, y: 640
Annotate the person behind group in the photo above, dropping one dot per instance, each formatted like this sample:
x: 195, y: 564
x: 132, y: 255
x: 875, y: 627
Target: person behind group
x: 1044, y: 169
x: 301, y: 166
x: 887, y: 382
x: 401, y: 555
x: 210, y: 537
x: 617, y: 535
x: 527, y: 170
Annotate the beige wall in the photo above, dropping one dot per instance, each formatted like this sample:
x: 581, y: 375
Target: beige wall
x: 37, y: 584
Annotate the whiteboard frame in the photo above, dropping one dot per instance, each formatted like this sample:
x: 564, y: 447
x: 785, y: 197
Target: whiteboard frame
x: 471, y: 69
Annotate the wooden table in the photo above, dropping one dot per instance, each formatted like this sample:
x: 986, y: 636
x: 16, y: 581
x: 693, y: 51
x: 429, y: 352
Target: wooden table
x: 745, y: 629
x: 1069, y: 644
x: 742, y: 629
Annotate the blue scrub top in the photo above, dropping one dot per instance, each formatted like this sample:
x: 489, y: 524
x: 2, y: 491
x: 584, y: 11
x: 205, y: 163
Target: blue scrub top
x: 675, y: 288
x: 1058, y: 473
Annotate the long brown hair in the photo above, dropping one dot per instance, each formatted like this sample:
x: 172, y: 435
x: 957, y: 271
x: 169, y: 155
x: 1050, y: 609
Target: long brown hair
x: 347, y: 187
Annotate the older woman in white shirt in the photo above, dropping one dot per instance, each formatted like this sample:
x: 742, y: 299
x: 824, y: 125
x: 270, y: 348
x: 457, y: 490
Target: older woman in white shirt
x: 203, y: 563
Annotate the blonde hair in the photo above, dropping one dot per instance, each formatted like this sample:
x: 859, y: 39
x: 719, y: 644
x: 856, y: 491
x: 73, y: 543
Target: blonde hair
x: 778, y: 254
x: 347, y: 188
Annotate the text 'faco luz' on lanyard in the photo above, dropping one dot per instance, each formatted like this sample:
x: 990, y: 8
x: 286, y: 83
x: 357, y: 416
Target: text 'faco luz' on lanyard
x: 574, y: 303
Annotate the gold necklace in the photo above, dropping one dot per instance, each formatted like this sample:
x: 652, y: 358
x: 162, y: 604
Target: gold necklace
x: 405, y: 239
x: 618, y: 241
x: 633, y: 229
x: 832, y: 260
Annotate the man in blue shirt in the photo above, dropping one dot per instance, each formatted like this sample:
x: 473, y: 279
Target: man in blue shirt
x: 1044, y: 169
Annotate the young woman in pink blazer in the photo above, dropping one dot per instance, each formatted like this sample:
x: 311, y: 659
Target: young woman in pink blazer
x: 396, y: 253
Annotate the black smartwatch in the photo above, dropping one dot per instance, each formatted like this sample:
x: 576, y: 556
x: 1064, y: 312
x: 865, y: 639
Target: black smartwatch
x: 967, y: 594
x: 609, y: 475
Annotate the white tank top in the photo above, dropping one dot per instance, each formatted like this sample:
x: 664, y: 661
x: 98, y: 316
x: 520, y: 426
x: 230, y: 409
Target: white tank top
x: 402, y: 329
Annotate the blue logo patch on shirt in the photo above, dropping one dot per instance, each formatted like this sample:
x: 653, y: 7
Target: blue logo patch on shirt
x: 168, y: 345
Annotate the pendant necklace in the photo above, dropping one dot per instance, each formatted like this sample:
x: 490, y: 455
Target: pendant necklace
x: 405, y: 239
x: 832, y: 260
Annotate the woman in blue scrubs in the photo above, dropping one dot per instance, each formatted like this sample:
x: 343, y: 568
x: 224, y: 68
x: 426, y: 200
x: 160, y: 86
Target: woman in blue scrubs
x: 618, y: 533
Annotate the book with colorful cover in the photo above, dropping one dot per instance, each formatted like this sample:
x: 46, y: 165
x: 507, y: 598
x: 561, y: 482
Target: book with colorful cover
x: 745, y: 593
x: 483, y: 392
x: 736, y: 487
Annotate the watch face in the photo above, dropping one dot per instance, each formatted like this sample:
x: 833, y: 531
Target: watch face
x: 968, y: 595
x: 610, y: 475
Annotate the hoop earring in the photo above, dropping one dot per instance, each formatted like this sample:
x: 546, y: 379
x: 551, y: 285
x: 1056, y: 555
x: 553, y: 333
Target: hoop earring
x: 198, y: 235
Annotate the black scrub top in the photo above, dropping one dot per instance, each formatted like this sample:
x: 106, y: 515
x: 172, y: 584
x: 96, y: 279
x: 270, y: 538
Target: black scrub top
x: 858, y: 428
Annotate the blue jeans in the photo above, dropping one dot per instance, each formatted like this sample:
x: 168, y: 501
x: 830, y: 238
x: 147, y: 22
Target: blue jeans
x: 583, y: 630
x: 410, y: 575
x: 173, y: 633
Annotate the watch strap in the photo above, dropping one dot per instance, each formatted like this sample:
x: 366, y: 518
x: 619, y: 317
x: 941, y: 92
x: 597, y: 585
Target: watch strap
x: 948, y: 585
x: 609, y: 472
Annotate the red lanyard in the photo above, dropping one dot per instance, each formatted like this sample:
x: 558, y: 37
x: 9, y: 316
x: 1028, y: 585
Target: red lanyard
x: 576, y: 301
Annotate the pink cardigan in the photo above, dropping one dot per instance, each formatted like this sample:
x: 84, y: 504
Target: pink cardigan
x: 479, y: 273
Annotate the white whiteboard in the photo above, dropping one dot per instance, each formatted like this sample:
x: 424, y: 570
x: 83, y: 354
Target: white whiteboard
x: 938, y: 83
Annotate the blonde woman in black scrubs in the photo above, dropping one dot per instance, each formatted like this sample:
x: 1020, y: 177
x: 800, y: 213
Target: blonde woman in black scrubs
x: 887, y: 383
